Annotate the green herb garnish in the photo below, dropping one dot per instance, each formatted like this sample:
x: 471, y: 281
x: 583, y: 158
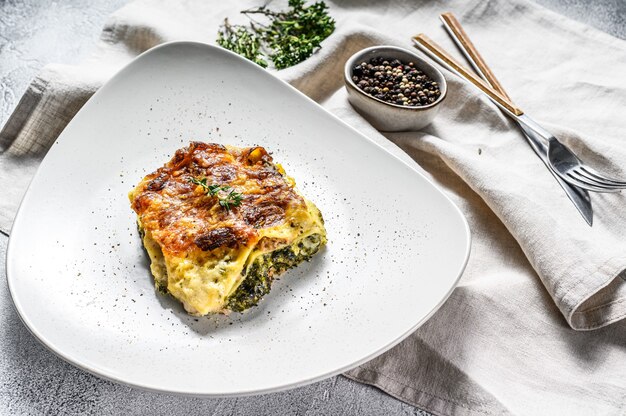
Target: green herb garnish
x: 231, y: 198
x: 285, y: 37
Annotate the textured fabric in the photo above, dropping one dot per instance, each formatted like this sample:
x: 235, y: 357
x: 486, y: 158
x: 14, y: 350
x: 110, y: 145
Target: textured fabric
x: 506, y: 341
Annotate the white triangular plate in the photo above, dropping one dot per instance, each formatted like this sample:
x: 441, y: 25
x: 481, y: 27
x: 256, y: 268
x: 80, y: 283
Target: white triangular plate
x: 80, y: 279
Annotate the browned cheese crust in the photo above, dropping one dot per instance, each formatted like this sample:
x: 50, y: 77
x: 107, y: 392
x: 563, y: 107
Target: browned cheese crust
x: 182, y: 218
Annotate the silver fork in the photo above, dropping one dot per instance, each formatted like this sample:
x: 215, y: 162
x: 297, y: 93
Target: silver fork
x: 561, y: 159
x: 568, y: 166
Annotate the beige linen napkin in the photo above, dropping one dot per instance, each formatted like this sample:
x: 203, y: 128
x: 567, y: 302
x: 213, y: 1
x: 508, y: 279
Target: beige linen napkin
x: 503, y: 343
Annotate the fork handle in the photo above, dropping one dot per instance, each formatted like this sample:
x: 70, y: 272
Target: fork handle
x: 456, y: 31
x: 461, y: 38
x: 435, y: 51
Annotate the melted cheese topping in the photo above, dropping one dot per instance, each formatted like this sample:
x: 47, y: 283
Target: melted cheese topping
x: 198, y: 249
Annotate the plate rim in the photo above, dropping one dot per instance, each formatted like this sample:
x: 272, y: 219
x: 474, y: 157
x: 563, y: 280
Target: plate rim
x: 253, y: 392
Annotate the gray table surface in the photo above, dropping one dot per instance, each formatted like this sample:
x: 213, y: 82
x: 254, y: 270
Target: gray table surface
x: 32, y: 379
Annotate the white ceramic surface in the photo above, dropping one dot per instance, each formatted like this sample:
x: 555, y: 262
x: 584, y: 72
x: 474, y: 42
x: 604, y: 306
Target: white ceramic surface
x: 80, y: 279
x: 386, y: 116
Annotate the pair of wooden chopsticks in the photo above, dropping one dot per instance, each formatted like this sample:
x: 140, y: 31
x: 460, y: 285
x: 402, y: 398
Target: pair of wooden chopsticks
x: 495, y: 90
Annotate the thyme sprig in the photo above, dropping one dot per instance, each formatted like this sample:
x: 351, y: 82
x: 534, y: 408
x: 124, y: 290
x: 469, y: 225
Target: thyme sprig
x: 230, y: 199
x: 243, y: 41
x: 286, y: 38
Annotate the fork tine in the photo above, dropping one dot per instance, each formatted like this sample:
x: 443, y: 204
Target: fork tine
x: 583, y: 182
x: 594, y: 181
x: 597, y: 175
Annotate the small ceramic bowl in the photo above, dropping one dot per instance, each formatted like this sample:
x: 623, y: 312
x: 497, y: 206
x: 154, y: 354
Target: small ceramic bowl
x: 386, y: 116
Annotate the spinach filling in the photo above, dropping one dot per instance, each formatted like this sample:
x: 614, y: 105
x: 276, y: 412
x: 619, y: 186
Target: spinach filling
x: 260, y: 274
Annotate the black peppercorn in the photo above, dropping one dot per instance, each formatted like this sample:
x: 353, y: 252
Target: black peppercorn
x: 395, y: 82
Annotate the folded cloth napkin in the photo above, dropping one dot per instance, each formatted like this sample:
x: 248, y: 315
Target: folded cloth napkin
x: 503, y: 343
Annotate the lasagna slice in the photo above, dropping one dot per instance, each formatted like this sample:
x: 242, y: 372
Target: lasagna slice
x: 220, y: 223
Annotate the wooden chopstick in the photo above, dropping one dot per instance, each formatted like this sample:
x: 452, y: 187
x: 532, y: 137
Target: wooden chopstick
x: 438, y: 53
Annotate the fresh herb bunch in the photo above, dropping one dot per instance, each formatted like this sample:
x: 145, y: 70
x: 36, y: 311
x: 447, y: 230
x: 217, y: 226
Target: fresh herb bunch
x: 231, y: 199
x: 243, y: 41
x: 287, y: 38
